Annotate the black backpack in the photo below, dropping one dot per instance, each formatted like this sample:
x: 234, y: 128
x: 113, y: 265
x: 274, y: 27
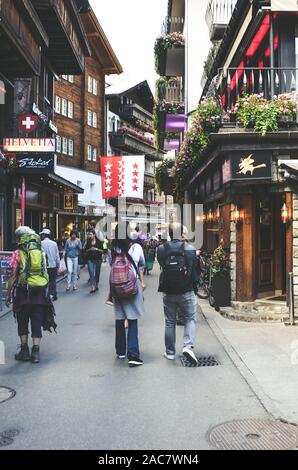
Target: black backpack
x: 176, y: 275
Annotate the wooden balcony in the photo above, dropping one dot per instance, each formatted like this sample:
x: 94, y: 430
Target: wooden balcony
x: 172, y: 62
x: 19, y: 51
x: 68, y: 41
x: 134, y: 112
x: 173, y: 24
x: 128, y: 143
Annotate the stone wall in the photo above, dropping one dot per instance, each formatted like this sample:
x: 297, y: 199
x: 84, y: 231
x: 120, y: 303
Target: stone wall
x: 233, y: 255
x: 295, y: 250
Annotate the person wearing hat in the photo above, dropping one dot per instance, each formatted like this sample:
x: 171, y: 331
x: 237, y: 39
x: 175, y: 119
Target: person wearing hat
x: 53, y: 260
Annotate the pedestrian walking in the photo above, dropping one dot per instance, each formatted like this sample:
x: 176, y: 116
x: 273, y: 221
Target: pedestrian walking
x: 105, y: 249
x: 127, y: 285
x: 178, y: 279
x: 27, y: 289
x: 94, y: 251
x: 53, y: 260
x: 72, y: 249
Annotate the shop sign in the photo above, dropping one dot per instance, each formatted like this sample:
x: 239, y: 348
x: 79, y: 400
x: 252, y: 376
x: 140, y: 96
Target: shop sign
x: 36, y: 164
x: 28, y: 123
x: 29, y: 145
x: 68, y: 202
x: 284, y: 5
x: 247, y: 166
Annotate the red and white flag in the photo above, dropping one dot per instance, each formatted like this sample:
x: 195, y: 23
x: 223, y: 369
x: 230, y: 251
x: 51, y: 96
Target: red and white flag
x: 122, y: 176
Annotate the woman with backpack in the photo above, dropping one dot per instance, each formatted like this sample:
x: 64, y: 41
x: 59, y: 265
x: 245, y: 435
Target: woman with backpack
x: 27, y: 288
x: 127, y: 285
x: 72, y: 249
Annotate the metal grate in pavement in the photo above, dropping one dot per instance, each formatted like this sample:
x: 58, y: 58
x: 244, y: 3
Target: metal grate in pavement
x: 254, y: 434
x: 203, y: 361
x: 6, y: 394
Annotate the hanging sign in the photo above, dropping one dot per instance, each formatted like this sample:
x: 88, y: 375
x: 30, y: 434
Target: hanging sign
x: 247, y: 166
x: 28, y: 123
x: 68, y: 202
x: 284, y: 5
x: 29, y: 145
x: 122, y: 176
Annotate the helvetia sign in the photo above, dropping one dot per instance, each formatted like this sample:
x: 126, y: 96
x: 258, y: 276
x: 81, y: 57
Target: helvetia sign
x: 29, y: 145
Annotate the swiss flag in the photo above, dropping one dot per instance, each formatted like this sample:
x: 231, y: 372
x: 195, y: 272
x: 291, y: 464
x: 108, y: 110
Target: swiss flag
x: 28, y: 122
x: 122, y: 176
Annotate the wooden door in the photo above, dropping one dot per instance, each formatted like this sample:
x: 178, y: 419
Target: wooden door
x: 265, y: 243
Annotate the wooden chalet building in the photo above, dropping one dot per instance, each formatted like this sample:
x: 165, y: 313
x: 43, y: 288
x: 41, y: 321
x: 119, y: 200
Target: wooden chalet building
x: 39, y: 40
x: 249, y: 183
x: 80, y: 118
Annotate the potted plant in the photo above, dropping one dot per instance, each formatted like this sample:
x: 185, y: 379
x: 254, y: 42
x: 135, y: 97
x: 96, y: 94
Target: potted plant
x: 220, y: 278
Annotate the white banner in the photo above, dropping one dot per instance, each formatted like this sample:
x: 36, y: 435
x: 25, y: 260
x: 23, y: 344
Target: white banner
x: 284, y: 5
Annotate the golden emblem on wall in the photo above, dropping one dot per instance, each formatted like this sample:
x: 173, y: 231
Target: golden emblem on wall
x: 68, y: 201
x: 246, y: 165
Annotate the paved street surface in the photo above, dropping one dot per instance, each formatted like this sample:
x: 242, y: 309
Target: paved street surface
x: 267, y: 355
x: 81, y: 397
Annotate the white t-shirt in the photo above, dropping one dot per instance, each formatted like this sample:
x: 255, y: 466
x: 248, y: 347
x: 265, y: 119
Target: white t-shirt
x: 137, y: 254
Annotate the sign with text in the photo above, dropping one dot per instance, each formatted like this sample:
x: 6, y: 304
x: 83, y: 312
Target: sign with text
x: 29, y: 145
x: 31, y: 164
x: 284, y: 5
x: 247, y: 166
x: 68, y: 202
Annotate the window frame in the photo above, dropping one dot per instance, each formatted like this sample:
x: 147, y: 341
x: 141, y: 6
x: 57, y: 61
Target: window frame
x: 70, y: 110
x: 58, y: 108
x: 64, y: 141
x: 89, y: 152
x: 64, y: 107
x: 71, y: 146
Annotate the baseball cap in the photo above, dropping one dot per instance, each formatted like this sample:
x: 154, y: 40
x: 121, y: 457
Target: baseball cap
x: 45, y: 231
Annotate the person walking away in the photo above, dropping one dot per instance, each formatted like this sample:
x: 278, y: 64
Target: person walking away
x: 72, y: 249
x: 51, y: 251
x: 127, y: 285
x: 94, y: 251
x: 178, y: 278
x: 28, y: 285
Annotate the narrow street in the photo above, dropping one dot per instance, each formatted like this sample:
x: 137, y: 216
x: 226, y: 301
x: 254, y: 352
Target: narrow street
x: 81, y: 397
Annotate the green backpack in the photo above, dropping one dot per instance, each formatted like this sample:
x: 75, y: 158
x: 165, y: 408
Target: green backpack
x: 33, y: 272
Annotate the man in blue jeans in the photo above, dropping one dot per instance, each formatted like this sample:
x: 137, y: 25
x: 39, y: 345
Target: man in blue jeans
x: 178, y: 278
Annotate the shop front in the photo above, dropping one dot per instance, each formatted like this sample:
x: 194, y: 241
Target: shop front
x: 250, y: 194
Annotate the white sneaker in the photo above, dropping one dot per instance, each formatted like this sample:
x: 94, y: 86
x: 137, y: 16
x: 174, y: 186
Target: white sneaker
x: 190, y: 356
x: 170, y: 357
x: 121, y: 357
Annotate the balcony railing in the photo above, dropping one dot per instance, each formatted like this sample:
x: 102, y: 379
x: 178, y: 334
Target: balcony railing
x: 235, y: 82
x: 173, y: 24
x: 172, y: 91
x: 218, y: 16
x: 127, y: 142
x: 134, y: 112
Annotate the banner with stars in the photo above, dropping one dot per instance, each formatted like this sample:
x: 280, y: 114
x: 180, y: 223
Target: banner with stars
x: 123, y: 176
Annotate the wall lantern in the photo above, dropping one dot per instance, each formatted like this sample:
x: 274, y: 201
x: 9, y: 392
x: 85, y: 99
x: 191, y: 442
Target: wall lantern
x: 285, y: 214
x: 210, y: 216
x: 237, y: 215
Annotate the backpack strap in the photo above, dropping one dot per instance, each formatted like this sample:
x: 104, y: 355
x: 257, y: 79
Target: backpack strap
x: 130, y: 258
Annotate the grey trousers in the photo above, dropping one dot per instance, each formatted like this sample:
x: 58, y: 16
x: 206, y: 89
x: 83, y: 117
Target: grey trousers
x: 187, y: 304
